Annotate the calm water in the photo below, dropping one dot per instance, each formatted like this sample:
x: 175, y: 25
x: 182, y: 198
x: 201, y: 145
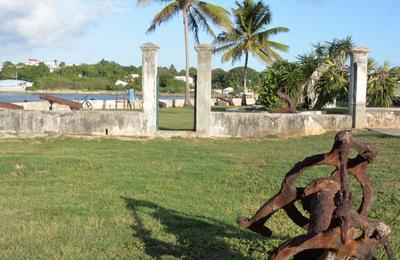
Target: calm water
x: 35, y: 97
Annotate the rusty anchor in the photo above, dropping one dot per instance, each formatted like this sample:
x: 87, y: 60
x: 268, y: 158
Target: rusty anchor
x: 334, y: 228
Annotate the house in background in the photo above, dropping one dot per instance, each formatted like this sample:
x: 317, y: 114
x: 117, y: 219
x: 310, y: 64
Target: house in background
x: 183, y: 78
x: 32, y: 62
x: 121, y: 83
x: 14, y: 85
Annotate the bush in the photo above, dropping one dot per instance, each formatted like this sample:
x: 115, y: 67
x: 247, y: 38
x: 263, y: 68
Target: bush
x: 282, y: 76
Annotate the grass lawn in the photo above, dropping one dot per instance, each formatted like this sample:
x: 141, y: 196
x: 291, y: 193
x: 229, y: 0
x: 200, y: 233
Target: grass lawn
x: 174, y: 118
x: 106, y: 198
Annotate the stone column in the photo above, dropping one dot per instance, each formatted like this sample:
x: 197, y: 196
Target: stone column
x: 149, y: 86
x: 358, y: 85
x: 203, y: 91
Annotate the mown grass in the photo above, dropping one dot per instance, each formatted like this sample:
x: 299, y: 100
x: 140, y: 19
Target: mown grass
x: 78, y: 198
x: 174, y: 118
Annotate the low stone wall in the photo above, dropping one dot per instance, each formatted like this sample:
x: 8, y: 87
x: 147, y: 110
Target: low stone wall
x: 257, y: 125
x: 383, y: 117
x: 115, y: 123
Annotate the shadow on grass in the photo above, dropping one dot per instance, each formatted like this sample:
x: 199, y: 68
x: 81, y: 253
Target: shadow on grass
x: 176, y: 129
x: 195, y: 237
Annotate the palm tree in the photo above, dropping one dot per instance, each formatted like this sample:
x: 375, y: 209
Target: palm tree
x: 382, y: 84
x: 336, y: 52
x: 250, y: 35
x: 195, y: 14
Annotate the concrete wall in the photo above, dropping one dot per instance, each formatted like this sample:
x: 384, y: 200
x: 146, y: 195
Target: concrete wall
x: 257, y: 125
x: 115, y: 123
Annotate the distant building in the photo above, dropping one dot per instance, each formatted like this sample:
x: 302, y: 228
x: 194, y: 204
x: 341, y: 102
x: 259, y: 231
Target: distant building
x: 183, y: 78
x: 52, y: 65
x: 134, y: 77
x: 121, y: 83
x: 14, y: 85
x: 32, y: 62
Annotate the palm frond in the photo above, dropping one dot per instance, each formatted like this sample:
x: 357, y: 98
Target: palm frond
x: 218, y: 15
x: 164, y: 15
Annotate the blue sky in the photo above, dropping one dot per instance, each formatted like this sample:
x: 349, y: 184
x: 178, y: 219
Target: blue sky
x: 77, y: 31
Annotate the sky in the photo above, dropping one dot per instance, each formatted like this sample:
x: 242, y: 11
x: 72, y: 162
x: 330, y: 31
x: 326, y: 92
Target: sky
x: 77, y: 31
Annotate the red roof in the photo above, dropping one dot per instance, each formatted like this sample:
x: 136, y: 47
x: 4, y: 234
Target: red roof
x: 33, y: 59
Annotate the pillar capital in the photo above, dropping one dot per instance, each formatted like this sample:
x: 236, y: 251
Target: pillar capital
x: 204, y: 48
x: 360, y: 50
x: 149, y: 47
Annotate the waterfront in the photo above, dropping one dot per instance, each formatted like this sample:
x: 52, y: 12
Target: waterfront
x: 34, y: 97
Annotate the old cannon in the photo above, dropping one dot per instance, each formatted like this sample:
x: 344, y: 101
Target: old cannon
x: 334, y: 229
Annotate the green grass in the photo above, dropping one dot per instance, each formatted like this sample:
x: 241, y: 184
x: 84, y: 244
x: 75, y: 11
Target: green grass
x: 104, y: 198
x: 176, y: 118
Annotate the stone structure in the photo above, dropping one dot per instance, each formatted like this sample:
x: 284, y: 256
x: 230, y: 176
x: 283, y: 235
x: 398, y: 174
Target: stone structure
x: 358, y: 85
x: 113, y: 123
x: 149, y: 86
x: 208, y: 124
x: 258, y: 125
x: 203, y: 93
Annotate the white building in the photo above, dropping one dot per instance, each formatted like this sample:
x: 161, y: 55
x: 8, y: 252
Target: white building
x: 32, y: 62
x: 121, y: 83
x: 52, y: 65
x: 14, y: 85
x: 183, y: 78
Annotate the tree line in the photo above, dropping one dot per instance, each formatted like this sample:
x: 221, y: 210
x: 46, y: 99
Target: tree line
x: 104, y: 74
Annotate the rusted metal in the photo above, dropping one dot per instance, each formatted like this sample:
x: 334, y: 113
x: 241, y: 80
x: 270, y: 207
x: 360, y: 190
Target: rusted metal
x: 291, y: 105
x: 10, y: 106
x: 228, y: 100
x: 52, y: 99
x: 333, y: 226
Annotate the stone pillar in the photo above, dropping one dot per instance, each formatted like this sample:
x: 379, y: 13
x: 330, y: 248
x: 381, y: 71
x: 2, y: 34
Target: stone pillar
x: 203, y: 91
x: 149, y: 86
x: 358, y: 85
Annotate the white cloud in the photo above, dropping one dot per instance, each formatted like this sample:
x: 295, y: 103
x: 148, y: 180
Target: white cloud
x: 27, y: 23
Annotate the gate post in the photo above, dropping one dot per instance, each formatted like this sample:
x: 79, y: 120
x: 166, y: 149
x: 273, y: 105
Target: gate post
x: 358, y: 86
x: 203, y: 91
x: 149, y: 86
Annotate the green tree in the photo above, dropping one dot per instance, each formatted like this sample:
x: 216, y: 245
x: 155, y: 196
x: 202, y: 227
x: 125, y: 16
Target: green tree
x: 9, y: 70
x: 195, y: 14
x: 382, y: 85
x: 329, y: 56
x: 250, y: 35
x: 218, y: 76
x: 234, y: 78
x: 282, y: 76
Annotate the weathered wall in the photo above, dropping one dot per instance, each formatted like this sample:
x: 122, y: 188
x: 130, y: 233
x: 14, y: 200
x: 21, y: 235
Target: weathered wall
x: 284, y: 125
x: 122, y: 123
x: 383, y: 117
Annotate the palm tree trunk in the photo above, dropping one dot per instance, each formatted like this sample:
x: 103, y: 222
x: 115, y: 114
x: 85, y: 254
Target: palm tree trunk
x: 186, y: 30
x: 310, y: 86
x: 244, y: 99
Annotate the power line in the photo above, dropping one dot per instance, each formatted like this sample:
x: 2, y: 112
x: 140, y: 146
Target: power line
x: 384, y: 24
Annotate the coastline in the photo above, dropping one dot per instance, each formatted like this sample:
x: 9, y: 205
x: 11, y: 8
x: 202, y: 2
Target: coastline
x: 70, y: 91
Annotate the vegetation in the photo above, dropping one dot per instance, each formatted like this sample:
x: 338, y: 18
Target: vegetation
x: 195, y: 14
x: 382, y: 84
x: 99, y: 76
x: 282, y: 76
x: 167, y: 199
x: 250, y: 35
x: 176, y: 118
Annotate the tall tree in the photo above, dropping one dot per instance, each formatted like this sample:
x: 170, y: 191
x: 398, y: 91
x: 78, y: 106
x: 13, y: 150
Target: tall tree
x: 195, y: 14
x: 335, y: 52
x: 250, y: 34
x: 382, y: 84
